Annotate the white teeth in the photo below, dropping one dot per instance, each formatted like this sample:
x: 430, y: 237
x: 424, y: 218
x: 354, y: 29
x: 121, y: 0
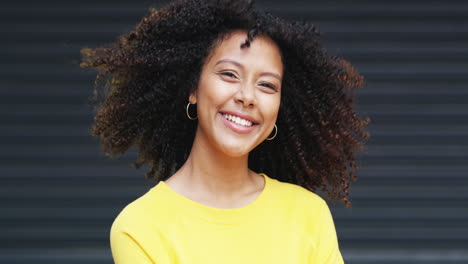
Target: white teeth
x: 238, y: 120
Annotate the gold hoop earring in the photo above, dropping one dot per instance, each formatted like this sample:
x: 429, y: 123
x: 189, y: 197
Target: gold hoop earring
x: 276, y: 132
x: 187, y: 112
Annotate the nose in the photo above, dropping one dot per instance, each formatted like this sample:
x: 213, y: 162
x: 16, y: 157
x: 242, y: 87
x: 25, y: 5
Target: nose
x: 246, y: 95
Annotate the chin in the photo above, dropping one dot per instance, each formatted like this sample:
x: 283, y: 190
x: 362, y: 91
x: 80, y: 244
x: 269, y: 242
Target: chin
x: 236, y: 150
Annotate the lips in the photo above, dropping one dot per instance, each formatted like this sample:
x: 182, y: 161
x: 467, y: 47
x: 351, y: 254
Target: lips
x: 240, y: 115
x: 238, y: 120
x: 238, y: 124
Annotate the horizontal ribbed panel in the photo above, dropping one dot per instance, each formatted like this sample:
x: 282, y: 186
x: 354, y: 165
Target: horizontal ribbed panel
x: 59, y: 193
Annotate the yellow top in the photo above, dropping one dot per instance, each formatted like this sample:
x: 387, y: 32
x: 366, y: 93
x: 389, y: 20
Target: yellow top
x: 285, y: 224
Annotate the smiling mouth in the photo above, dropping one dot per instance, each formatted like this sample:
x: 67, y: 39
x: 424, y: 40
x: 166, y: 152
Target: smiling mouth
x: 239, y: 121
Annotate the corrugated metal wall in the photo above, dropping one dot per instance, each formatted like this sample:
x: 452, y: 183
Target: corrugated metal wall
x: 59, y: 194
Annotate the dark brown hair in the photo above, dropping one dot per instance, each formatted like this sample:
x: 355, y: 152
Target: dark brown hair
x: 145, y: 79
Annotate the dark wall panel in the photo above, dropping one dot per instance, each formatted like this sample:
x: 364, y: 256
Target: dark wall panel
x: 60, y: 194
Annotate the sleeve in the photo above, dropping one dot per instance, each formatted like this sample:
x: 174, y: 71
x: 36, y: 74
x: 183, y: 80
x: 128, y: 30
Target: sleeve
x: 126, y: 249
x: 328, y: 251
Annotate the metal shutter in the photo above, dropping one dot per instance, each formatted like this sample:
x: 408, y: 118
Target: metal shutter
x: 59, y: 194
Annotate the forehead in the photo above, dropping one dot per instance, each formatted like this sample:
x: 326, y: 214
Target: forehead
x: 263, y: 51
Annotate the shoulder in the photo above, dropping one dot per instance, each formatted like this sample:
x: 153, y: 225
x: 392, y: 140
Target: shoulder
x: 309, y: 212
x: 300, y: 205
x: 147, y: 209
x: 296, y: 195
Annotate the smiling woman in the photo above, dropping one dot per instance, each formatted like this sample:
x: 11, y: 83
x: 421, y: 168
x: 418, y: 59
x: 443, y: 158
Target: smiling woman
x: 242, y: 116
x: 236, y: 87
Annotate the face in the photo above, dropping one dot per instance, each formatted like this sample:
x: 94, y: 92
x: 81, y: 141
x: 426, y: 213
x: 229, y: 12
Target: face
x: 238, y: 94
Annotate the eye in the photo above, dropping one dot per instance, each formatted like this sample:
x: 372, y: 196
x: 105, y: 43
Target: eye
x: 229, y: 74
x: 269, y: 85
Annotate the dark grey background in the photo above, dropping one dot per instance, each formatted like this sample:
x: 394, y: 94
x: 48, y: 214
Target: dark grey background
x: 60, y: 194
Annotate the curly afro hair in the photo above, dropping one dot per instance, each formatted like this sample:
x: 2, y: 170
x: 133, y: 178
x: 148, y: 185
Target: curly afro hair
x: 144, y: 80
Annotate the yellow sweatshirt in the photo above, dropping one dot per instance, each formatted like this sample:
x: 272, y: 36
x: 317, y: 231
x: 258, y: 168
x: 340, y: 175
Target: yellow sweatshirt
x: 285, y: 224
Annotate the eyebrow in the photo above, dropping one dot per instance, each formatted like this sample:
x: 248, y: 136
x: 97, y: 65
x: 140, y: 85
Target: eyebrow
x: 242, y: 66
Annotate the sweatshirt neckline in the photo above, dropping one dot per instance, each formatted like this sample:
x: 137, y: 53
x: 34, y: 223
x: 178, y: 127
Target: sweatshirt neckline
x: 213, y: 214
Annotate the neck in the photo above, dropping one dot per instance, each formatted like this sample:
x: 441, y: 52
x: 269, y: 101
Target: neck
x: 211, y: 174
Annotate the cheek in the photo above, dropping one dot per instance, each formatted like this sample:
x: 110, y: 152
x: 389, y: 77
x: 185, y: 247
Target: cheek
x: 211, y: 96
x: 271, y: 112
x: 215, y: 91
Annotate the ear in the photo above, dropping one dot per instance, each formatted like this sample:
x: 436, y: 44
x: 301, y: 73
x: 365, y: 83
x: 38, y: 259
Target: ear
x: 193, y: 97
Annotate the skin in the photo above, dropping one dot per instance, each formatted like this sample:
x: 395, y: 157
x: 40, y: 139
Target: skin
x: 246, y: 81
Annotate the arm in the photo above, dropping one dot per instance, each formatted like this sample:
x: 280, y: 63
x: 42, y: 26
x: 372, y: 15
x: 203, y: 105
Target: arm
x: 125, y: 249
x: 328, y: 251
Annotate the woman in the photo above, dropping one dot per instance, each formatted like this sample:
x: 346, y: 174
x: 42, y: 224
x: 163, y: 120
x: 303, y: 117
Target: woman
x: 241, y: 116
